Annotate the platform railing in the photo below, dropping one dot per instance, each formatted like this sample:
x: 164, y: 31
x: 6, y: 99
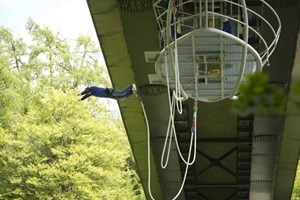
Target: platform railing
x: 190, y: 15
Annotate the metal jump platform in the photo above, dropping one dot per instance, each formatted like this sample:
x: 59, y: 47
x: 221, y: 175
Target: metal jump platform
x: 209, y: 46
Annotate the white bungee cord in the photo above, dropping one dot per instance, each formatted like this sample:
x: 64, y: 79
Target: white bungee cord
x: 171, y: 128
x: 176, y: 69
x: 169, y: 135
x: 171, y: 131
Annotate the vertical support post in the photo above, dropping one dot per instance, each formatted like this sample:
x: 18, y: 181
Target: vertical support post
x: 222, y: 66
x: 195, y: 65
x: 213, y: 11
x: 206, y: 13
x: 245, y: 45
x: 200, y: 15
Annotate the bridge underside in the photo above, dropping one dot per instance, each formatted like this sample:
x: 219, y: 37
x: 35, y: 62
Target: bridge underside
x: 236, y: 157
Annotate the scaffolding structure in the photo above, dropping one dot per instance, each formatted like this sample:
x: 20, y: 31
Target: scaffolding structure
x: 209, y: 46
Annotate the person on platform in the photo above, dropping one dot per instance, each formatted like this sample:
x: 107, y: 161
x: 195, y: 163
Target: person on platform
x: 227, y: 27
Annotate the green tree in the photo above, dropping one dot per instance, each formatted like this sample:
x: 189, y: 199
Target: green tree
x: 257, y: 96
x: 51, y: 145
x: 296, y: 189
x: 57, y: 63
x: 295, y: 89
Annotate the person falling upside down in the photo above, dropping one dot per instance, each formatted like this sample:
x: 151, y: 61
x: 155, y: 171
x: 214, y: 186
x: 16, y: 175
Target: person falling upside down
x: 109, y: 92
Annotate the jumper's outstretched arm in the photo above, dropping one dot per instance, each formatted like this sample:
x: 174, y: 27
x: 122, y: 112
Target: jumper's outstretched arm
x: 87, y: 93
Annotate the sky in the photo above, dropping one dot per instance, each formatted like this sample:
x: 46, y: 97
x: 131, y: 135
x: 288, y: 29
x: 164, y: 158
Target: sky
x: 71, y: 17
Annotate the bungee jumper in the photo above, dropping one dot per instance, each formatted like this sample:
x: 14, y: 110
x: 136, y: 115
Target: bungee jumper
x: 111, y: 93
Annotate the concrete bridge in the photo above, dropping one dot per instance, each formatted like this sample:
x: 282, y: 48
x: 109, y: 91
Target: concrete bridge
x: 252, y: 157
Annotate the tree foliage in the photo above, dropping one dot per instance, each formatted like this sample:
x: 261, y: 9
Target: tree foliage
x: 257, y: 96
x: 296, y: 189
x: 52, y: 146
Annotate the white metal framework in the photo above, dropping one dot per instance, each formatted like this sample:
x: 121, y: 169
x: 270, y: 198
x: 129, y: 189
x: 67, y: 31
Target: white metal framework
x: 208, y: 46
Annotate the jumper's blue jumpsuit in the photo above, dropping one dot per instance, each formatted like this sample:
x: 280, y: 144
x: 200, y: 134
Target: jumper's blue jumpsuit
x: 112, y: 93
